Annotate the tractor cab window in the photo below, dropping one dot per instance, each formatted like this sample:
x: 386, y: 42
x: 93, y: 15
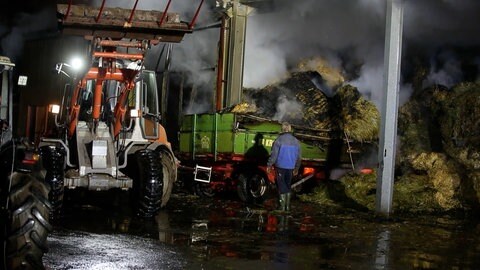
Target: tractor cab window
x: 148, y: 104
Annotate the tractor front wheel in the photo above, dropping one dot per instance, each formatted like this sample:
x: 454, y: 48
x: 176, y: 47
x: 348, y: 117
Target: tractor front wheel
x: 54, y: 162
x: 148, y: 185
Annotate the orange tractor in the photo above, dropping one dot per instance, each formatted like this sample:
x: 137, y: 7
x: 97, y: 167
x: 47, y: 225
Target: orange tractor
x: 108, y: 125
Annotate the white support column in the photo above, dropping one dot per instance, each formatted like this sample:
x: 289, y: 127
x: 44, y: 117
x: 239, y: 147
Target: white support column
x: 387, y: 148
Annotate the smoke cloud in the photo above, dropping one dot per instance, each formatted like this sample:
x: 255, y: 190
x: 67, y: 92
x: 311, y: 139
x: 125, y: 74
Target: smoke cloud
x: 348, y: 33
x: 353, y: 31
x: 25, y: 20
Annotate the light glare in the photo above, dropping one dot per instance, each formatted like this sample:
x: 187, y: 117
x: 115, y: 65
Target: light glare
x: 77, y: 63
x: 55, y: 109
x: 134, y: 113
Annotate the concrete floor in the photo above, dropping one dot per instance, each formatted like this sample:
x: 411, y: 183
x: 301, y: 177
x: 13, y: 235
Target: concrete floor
x: 196, y: 233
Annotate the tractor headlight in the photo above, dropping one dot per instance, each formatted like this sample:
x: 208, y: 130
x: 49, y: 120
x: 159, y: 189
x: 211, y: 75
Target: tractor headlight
x: 134, y: 113
x: 55, y: 109
x: 76, y: 63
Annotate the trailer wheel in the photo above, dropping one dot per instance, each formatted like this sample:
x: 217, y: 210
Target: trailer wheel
x: 203, y: 189
x: 54, y: 162
x: 253, y: 188
x: 148, y: 185
x: 27, y: 225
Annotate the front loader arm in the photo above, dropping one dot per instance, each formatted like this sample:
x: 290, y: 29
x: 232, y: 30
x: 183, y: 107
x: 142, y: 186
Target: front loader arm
x: 75, y: 108
x: 121, y: 108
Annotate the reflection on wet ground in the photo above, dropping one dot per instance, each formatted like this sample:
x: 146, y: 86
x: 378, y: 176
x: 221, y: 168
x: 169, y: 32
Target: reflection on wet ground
x: 196, y: 233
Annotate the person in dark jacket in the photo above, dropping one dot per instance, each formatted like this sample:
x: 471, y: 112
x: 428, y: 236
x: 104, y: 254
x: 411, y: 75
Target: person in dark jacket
x: 286, y: 157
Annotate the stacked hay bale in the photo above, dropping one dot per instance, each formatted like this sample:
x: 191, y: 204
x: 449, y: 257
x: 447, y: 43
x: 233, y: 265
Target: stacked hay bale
x: 438, y: 166
x: 439, y: 131
x: 332, y: 77
x: 460, y: 131
x: 443, y: 176
x: 461, y: 125
x: 346, y: 111
x: 357, y: 117
x: 316, y: 111
x: 298, y: 89
x: 414, y: 193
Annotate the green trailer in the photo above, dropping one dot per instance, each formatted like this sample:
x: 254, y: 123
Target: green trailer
x: 230, y: 151
x: 215, y: 135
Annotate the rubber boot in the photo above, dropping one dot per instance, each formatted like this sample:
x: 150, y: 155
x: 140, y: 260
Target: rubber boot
x: 288, y: 196
x: 282, y: 200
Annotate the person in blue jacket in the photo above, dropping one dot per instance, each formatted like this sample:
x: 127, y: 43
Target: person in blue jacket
x: 286, y: 157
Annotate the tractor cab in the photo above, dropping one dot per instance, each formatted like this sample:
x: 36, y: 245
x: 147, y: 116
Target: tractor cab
x: 143, y: 114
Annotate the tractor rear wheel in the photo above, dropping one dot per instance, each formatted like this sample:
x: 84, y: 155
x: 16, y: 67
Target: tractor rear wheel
x: 27, y: 224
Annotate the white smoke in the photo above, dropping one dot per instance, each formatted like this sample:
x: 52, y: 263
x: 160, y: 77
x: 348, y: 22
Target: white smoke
x: 300, y: 29
x: 286, y: 108
x: 445, y: 70
x: 309, y: 28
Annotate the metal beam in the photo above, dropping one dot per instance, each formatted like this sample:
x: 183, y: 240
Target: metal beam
x: 236, y: 32
x: 386, y: 155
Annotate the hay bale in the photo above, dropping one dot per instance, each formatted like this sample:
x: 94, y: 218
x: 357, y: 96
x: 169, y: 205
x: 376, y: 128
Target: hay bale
x: 364, y: 125
x: 349, y: 111
x: 333, y: 77
x: 316, y: 113
x: 357, y: 117
x: 353, y: 191
x: 418, y: 121
x: 461, y: 125
x: 321, y: 195
x: 413, y: 129
x: 361, y: 188
x: 443, y: 176
x: 296, y: 100
x: 414, y: 193
x: 244, y: 107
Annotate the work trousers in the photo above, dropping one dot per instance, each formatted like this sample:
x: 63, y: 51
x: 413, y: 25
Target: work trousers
x: 284, y: 180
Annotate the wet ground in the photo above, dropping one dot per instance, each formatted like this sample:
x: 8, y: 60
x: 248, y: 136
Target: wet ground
x: 196, y: 233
